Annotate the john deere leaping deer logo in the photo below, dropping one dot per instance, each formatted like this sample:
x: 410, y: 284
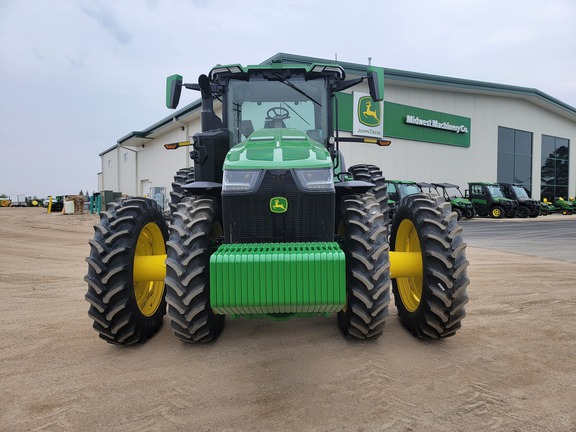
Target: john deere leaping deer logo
x: 278, y: 205
x: 368, y: 112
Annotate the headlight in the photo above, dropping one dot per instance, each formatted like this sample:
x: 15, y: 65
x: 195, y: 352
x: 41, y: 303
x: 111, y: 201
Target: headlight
x: 241, y: 181
x: 315, y: 180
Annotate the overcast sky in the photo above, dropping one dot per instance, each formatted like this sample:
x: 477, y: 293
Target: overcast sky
x: 77, y: 75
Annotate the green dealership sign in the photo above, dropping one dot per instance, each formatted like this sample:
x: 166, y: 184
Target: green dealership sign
x: 412, y: 123
x: 418, y: 124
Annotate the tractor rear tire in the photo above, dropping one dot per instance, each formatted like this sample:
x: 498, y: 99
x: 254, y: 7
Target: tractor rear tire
x: 193, y: 230
x: 430, y: 306
x: 368, y: 282
x: 183, y: 176
x: 124, y: 311
x: 373, y: 174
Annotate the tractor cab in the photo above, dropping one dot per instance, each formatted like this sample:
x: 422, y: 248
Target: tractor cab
x: 277, y: 116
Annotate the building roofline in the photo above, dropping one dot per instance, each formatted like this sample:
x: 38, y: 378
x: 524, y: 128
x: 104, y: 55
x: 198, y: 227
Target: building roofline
x: 164, y: 122
x: 435, y: 80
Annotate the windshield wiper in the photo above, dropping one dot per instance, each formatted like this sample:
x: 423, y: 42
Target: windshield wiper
x: 292, y: 86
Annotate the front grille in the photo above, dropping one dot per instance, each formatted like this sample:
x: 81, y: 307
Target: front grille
x: 248, y: 219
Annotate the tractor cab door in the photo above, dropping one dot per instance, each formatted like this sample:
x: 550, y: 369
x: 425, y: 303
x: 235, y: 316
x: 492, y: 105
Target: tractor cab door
x: 393, y: 192
x: 480, y: 198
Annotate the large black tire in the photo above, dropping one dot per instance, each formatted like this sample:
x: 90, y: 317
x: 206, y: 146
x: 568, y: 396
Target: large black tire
x: 468, y: 213
x: 193, y: 230
x: 431, y: 306
x: 125, y: 311
x: 373, y: 174
x: 365, y: 242
x: 523, y: 212
x: 183, y: 176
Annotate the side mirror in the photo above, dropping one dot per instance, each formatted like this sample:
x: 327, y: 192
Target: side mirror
x: 173, y: 90
x: 376, y: 83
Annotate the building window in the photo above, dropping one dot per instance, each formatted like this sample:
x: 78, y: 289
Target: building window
x: 515, y: 157
x: 555, y: 157
x: 125, y: 157
x: 109, y: 163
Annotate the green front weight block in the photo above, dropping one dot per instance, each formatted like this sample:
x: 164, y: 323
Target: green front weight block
x: 278, y: 278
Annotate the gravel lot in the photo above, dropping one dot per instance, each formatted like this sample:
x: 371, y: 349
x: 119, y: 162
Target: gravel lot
x: 511, y: 367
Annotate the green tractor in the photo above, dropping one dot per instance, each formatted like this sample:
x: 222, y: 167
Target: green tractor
x: 270, y: 223
x: 489, y: 200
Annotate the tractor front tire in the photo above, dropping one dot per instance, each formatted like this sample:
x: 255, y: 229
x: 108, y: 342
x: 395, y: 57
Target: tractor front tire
x: 430, y: 305
x: 193, y: 230
x: 126, y: 311
x: 365, y: 238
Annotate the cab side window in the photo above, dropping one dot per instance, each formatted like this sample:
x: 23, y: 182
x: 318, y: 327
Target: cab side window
x: 477, y: 190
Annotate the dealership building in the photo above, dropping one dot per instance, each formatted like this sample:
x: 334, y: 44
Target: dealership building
x: 442, y: 129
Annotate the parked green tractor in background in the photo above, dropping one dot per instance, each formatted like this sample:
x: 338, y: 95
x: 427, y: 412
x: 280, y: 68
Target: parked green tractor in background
x: 563, y: 206
x: 270, y: 223
x: 547, y: 207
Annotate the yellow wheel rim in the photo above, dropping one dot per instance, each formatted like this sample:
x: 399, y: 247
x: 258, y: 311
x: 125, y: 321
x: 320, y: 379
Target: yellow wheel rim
x: 496, y: 212
x: 409, y: 288
x: 149, y: 293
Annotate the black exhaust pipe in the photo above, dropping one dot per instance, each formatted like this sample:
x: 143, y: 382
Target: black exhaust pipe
x: 207, y: 114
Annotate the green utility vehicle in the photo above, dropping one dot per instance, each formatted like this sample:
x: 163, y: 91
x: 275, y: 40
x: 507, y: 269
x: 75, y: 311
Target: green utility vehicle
x: 271, y: 224
x: 527, y: 207
x: 398, y: 189
x: 488, y: 199
x: 452, y: 193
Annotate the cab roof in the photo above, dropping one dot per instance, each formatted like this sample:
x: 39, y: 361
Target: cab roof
x: 311, y: 71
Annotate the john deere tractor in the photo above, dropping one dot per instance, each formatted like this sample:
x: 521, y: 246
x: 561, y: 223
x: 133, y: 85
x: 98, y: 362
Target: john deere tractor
x: 269, y: 223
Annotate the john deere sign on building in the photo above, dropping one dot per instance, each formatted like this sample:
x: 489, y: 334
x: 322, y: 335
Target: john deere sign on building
x: 401, y: 121
x: 367, y: 116
x: 418, y: 124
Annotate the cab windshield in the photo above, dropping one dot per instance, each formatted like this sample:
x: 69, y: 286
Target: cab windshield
x: 495, y: 191
x: 409, y: 189
x: 261, y: 103
x: 520, y: 192
x: 453, y: 192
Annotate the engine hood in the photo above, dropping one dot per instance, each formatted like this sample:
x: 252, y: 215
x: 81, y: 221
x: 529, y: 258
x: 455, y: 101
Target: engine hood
x: 278, y: 149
